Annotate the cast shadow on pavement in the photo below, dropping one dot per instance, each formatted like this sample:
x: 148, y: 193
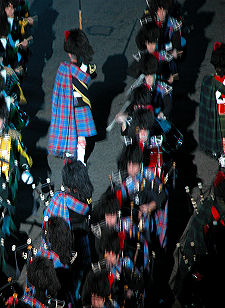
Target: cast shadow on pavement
x: 102, y: 94
x: 40, y: 169
x: 41, y: 51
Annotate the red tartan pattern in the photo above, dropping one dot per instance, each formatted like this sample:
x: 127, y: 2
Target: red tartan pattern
x: 33, y: 302
x: 68, y: 120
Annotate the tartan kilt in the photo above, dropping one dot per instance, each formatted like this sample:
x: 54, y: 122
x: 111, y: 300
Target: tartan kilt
x: 85, y: 125
x: 209, y: 124
x: 69, y: 121
x: 63, y: 139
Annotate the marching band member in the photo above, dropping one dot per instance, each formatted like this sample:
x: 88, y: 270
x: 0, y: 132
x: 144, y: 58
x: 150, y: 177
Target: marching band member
x: 160, y: 93
x: 72, y: 119
x: 211, y: 108
x: 96, y: 290
x: 73, y: 205
x: 15, y: 163
x: 147, y: 42
x: 17, y: 119
x: 169, y: 27
x: 42, y: 277
x: 142, y: 186
x: 123, y: 277
x: 199, y: 253
x: 58, y: 249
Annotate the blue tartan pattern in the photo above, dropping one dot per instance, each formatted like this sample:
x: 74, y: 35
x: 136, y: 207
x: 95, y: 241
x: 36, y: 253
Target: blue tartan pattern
x: 68, y: 121
x: 161, y: 218
x: 126, y: 223
x: 51, y: 255
x: 117, y: 268
x: 131, y: 185
x: 33, y: 302
x: 60, y: 204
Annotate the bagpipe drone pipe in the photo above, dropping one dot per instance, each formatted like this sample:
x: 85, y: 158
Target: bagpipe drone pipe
x: 18, y: 255
x: 199, y: 254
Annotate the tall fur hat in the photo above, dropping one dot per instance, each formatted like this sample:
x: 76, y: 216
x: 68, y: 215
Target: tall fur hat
x: 141, y: 119
x: 76, y: 43
x: 148, y: 33
x: 95, y: 283
x: 108, y: 204
x: 148, y: 64
x: 75, y: 177
x: 156, y: 4
x: 59, y: 238
x: 218, y: 58
x: 42, y: 275
x: 131, y: 153
x: 140, y: 96
x: 109, y: 242
x: 6, y: 3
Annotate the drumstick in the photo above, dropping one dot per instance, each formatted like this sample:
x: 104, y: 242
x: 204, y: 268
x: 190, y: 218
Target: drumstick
x: 136, y: 84
x: 110, y: 126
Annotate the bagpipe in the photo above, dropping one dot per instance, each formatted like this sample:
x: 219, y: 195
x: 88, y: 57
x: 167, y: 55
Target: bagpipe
x: 44, y: 191
x: 22, y: 254
x: 166, y: 56
x: 122, y: 282
x: 8, y: 294
x: 201, y: 238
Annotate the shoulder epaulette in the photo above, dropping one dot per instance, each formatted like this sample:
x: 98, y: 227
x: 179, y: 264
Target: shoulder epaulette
x: 92, y: 68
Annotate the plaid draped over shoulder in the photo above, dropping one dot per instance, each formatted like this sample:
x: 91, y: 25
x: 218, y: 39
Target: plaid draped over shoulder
x: 68, y: 119
x: 210, y: 139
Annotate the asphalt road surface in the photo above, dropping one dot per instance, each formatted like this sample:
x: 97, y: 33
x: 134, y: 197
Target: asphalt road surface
x: 111, y: 27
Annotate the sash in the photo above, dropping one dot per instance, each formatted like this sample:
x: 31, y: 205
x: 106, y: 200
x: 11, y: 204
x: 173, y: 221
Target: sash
x: 81, y: 88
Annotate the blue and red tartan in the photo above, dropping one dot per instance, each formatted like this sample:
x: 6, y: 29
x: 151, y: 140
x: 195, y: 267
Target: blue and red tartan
x: 126, y: 223
x: 161, y: 218
x: 51, y: 255
x: 129, y: 186
x: 33, y: 302
x: 59, y: 205
x: 122, y: 262
x: 69, y: 121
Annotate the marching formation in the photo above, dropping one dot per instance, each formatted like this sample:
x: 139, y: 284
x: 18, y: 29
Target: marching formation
x: 112, y: 253
x: 15, y: 38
